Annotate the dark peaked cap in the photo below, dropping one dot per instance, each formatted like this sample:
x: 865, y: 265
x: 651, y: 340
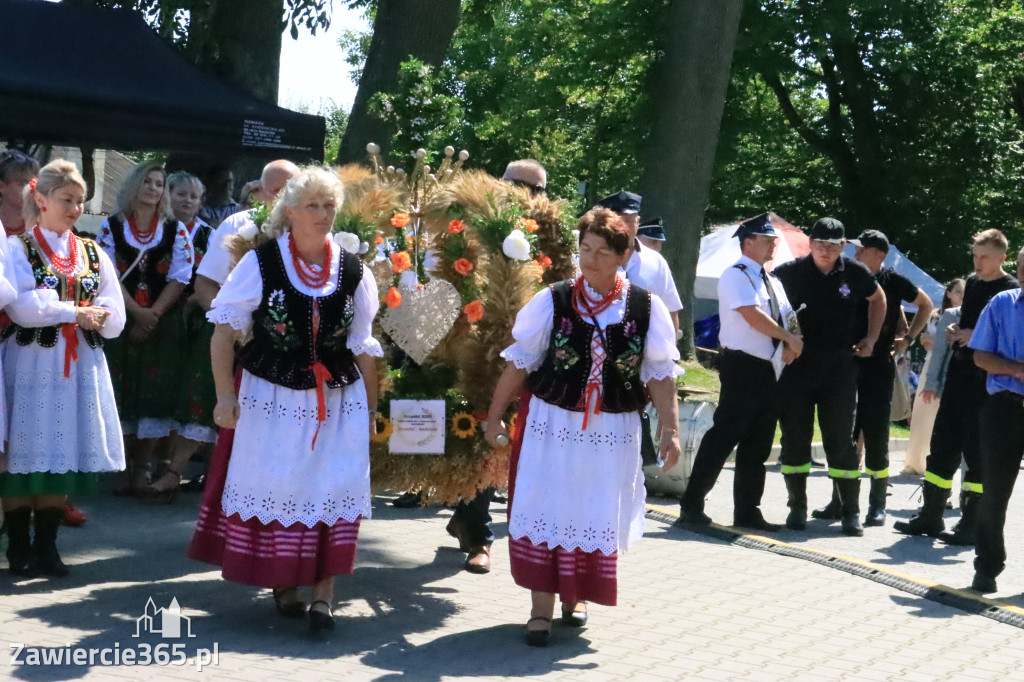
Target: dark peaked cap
x: 760, y: 224
x: 652, y: 229
x: 622, y: 202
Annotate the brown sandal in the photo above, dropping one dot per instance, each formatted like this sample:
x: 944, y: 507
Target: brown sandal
x: 163, y: 495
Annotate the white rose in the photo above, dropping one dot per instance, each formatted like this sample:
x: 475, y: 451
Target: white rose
x: 364, y: 248
x: 248, y: 231
x: 347, y: 241
x: 516, y: 247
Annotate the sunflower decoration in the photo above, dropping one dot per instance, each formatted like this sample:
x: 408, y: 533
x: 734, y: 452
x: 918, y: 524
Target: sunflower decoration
x: 463, y: 424
x: 384, y: 429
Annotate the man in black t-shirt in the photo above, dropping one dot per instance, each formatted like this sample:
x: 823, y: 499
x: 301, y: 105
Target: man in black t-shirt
x: 876, y: 374
x: 956, y: 432
x: 829, y: 287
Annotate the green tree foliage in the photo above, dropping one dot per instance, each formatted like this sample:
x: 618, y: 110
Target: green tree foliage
x: 896, y: 116
x: 561, y: 81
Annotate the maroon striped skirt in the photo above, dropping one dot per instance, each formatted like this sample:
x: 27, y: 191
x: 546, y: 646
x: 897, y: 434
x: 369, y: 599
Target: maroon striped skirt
x: 574, y: 575
x: 266, y: 555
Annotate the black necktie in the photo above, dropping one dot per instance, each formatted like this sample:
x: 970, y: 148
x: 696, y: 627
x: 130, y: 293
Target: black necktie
x: 774, y: 302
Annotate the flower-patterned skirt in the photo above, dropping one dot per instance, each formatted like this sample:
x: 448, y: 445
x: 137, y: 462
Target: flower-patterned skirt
x: 147, y: 376
x: 579, y: 489
x: 276, y: 473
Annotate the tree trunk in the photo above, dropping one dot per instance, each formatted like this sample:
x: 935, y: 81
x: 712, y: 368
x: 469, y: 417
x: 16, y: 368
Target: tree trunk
x: 687, y: 98
x: 402, y: 28
x: 242, y: 45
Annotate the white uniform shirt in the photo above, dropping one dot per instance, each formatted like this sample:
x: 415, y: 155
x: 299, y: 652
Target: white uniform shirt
x: 739, y: 287
x: 649, y: 270
x: 217, y: 262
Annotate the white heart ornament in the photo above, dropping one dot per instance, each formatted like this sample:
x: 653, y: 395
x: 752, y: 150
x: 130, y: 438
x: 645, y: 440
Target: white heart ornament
x: 424, y: 318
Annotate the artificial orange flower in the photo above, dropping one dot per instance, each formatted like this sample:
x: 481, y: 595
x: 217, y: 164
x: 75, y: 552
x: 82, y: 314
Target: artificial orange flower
x: 409, y: 239
x: 456, y: 226
x: 400, y: 261
x: 543, y: 261
x: 393, y: 298
x: 400, y: 219
x: 463, y: 266
x: 379, y: 240
x: 474, y: 311
x: 528, y: 224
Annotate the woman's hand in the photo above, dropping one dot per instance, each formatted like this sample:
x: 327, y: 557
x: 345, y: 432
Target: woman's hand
x: 91, y: 318
x: 137, y: 335
x: 668, y: 450
x: 146, y: 319
x: 928, y: 396
x: 495, y: 428
x: 225, y: 414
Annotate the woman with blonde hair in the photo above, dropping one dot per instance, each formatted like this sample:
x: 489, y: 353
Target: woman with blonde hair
x: 153, y: 256
x: 196, y: 398
x: 298, y: 479
x: 62, y: 422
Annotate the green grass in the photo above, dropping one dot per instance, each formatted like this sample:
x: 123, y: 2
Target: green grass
x: 704, y: 379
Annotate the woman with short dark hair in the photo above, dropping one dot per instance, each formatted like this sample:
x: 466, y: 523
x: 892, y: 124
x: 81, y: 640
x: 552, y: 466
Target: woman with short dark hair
x: 585, y: 349
x: 16, y: 169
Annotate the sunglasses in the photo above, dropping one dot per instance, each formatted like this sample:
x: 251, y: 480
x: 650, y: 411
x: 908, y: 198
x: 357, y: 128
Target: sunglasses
x: 533, y: 189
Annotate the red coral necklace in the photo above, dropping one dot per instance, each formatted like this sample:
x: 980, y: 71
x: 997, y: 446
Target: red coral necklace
x: 313, y: 280
x: 585, y: 305
x: 65, y: 265
x: 143, y: 239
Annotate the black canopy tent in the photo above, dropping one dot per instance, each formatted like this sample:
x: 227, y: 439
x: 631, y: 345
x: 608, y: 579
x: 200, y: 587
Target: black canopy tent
x: 86, y: 76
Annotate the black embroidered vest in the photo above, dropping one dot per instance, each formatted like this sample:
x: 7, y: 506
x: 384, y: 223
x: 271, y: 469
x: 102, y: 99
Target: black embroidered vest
x: 151, y: 272
x: 281, y: 350
x: 87, y: 284
x: 200, y: 244
x: 562, y: 378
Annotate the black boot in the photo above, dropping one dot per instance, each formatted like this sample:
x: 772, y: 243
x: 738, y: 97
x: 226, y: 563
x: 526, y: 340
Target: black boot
x: 796, y: 486
x: 833, y: 510
x: 45, y: 548
x: 928, y: 521
x: 876, y: 502
x: 19, y: 546
x: 849, y: 494
x: 963, y: 531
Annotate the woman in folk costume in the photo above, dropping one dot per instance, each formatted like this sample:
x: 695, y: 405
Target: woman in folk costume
x: 298, y: 478
x: 584, y: 349
x: 153, y: 255
x: 193, y: 412
x: 62, y: 422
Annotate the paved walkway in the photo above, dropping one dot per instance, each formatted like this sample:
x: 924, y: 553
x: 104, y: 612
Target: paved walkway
x: 690, y: 608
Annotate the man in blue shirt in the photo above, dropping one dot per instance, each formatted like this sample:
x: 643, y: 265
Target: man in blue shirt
x: 998, y: 345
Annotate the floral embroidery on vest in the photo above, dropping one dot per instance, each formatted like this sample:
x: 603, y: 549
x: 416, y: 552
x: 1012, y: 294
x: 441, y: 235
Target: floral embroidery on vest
x: 280, y: 326
x: 561, y: 352
x: 629, y: 360
x: 339, y: 336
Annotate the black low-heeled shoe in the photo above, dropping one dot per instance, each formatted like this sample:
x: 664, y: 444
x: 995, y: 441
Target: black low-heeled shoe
x: 576, y: 619
x: 318, y: 620
x: 292, y: 609
x: 538, y: 637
